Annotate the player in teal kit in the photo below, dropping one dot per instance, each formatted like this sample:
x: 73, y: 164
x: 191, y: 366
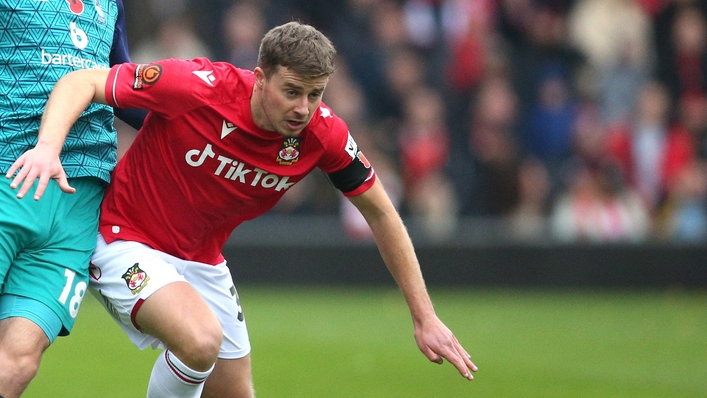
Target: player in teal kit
x: 46, y: 246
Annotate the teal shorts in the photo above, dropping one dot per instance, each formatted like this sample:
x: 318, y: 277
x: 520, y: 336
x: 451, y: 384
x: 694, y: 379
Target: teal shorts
x: 45, y: 250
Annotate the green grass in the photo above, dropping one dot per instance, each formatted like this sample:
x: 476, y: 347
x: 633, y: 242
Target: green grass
x: 347, y: 342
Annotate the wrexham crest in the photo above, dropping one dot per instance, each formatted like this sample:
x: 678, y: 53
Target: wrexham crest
x: 136, y: 278
x: 290, y: 150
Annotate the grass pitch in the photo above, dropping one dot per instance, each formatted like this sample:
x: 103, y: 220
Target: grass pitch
x: 318, y: 342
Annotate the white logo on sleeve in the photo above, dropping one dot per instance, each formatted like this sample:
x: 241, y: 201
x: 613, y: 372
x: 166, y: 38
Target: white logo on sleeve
x: 227, y: 128
x: 205, y: 75
x: 326, y: 112
x: 351, y: 147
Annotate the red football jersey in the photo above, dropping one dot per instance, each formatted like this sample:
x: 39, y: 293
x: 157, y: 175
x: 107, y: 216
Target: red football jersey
x: 200, y: 166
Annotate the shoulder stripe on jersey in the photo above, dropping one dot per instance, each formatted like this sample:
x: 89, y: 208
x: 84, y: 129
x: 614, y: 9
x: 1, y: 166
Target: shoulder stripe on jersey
x: 115, y: 82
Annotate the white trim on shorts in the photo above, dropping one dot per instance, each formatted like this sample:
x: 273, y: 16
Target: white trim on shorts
x: 150, y: 270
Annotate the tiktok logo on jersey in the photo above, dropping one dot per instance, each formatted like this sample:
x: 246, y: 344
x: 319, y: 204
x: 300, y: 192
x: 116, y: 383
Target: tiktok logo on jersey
x: 234, y: 170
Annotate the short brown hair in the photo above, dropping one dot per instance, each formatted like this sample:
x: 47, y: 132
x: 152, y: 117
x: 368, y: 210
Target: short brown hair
x: 299, y: 47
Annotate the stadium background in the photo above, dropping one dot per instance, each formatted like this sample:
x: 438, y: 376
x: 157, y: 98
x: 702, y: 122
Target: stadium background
x: 548, y: 157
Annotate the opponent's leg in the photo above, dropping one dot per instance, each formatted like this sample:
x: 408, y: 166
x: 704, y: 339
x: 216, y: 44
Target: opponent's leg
x: 22, y: 343
x: 178, y: 316
x: 231, y: 378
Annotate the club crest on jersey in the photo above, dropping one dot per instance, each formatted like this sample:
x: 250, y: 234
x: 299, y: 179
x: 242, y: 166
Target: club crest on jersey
x: 94, y: 272
x: 146, y: 75
x: 136, y: 278
x: 289, y: 152
x: 99, y: 11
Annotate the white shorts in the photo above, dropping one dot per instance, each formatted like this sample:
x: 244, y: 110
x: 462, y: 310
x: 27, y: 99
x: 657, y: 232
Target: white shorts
x: 124, y: 273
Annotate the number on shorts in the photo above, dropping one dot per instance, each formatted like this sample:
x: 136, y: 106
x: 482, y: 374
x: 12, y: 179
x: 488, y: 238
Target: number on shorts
x: 79, y: 292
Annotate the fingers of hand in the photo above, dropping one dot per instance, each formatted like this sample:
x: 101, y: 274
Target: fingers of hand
x: 453, y: 352
x: 466, y: 357
x: 460, y: 362
x: 13, y: 168
x: 64, y: 184
x: 26, y: 179
x: 431, y: 354
x: 43, y: 182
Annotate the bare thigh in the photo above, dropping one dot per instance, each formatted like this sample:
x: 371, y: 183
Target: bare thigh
x: 178, y: 316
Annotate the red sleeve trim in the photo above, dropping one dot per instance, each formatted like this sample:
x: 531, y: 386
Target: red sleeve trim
x: 363, y: 187
x: 111, y: 83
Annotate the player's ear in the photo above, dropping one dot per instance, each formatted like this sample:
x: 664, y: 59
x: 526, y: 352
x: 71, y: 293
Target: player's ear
x: 259, y: 77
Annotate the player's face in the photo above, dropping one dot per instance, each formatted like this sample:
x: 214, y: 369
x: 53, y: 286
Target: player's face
x: 286, y: 102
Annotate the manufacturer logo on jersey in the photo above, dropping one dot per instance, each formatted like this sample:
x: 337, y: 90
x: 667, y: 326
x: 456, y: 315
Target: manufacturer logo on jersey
x: 146, y: 75
x: 326, y: 112
x: 289, y: 152
x: 227, y: 128
x: 136, y: 278
x: 205, y: 75
x: 76, y: 6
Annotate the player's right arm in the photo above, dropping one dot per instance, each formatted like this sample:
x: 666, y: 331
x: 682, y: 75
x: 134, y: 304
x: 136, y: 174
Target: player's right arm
x: 71, y: 95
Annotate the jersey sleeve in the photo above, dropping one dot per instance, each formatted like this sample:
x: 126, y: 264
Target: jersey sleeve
x: 119, y: 54
x: 345, y: 164
x: 168, y: 87
x: 119, y: 50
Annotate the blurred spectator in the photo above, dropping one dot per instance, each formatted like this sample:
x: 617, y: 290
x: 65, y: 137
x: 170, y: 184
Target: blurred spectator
x: 615, y: 36
x: 598, y: 208
x: 175, y: 38
x: 652, y: 149
x: 683, y: 54
x: 538, y: 37
x: 684, y: 216
x: 244, y: 25
x: 547, y: 132
x: 424, y: 149
x: 489, y: 184
x: 471, y: 37
x: 692, y: 113
x: 528, y: 217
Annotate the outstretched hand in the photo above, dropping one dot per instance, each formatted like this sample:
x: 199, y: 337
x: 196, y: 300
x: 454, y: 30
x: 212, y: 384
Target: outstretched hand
x: 42, y: 163
x: 437, y: 342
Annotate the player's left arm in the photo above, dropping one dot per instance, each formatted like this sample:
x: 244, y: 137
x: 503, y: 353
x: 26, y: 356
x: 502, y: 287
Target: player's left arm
x: 70, y: 97
x: 433, y: 338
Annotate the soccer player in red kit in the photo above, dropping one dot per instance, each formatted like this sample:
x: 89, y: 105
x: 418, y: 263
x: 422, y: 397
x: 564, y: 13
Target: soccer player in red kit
x: 220, y: 145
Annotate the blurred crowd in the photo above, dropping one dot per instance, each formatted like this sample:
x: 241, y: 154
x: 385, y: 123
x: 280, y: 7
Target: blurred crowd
x: 583, y: 119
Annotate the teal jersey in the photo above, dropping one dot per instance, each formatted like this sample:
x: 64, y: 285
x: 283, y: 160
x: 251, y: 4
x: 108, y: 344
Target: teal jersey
x: 41, y: 41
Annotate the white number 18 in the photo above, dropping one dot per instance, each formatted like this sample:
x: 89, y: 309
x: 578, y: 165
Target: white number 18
x: 79, y: 291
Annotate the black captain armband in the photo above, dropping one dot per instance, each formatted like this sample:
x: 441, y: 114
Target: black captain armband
x: 352, y: 176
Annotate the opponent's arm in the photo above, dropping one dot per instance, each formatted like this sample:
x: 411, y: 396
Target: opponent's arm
x: 433, y: 338
x: 70, y: 97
